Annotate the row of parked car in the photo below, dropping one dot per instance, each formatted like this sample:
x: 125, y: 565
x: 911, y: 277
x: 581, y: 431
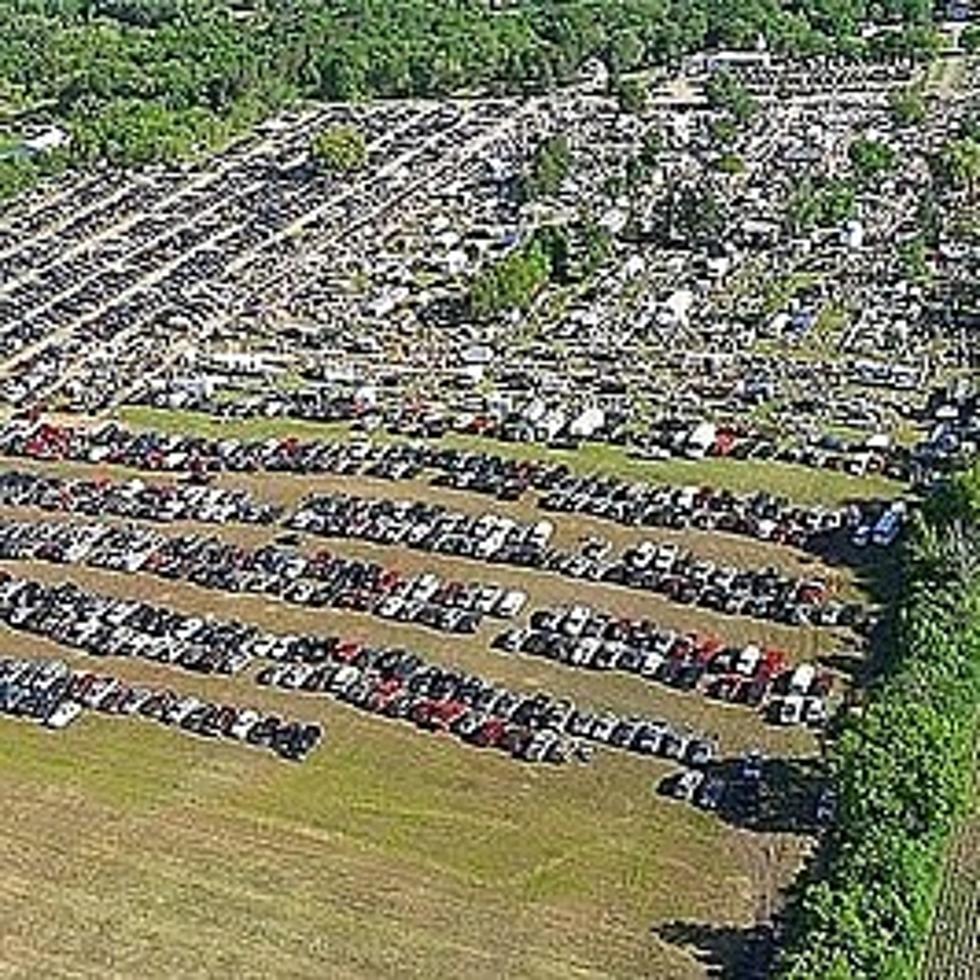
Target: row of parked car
x: 113, y: 443
x: 582, y: 637
x: 289, y: 739
x: 50, y: 692
x: 664, y: 567
x: 744, y: 789
x: 35, y: 690
x: 104, y: 626
x: 761, y: 515
x: 538, y: 727
x: 321, y: 580
x: 134, y: 499
x: 765, y: 593
x: 660, y: 567
x: 738, y: 794
x: 394, y: 682
x: 422, y: 525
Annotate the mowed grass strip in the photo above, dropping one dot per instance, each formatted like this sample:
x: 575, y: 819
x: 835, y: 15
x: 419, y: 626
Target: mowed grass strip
x: 806, y: 485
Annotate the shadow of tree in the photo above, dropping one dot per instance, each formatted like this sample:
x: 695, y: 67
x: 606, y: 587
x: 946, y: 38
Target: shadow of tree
x: 726, y: 952
x: 782, y: 800
x: 849, y: 664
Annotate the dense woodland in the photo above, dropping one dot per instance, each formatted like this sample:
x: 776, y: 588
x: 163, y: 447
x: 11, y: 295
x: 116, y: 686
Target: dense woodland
x: 139, y: 81
x: 904, y: 766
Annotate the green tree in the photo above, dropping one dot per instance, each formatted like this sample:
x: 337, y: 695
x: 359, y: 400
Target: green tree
x: 824, y: 204
x: 550, y: 165
x: 724, y: 131
x: 730, y: 163
x: 726, y: 91
x: 871, y: 159
x: 631, y: 95
x: 908, y: 105
x: 913, y: 259
x: 625, y: 52
x: 512, y: 283
x: 651, y: 147
x: 957, y: 165
x: 902, y: 765
x: 340, y: 148
x: 970, y: 38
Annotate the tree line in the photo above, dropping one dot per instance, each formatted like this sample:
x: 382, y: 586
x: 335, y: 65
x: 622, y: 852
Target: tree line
x: 903, y: 766
x: 138, y: 81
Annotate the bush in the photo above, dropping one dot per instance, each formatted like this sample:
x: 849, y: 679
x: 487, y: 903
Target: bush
x: 731, y: 163
x: 631, y: 95
x: 821, y: 204
x: 726, y: 91
x: 871, y: 158
x: 511, y: 283
x: 549, y: 166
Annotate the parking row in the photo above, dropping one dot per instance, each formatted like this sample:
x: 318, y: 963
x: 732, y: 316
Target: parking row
x: 764, y: 593
x: 754, y: 676
x: 763, y: 516
x: 137, y: 499
x: 663, y: 568
x: 392, y: 682
x: 538, y: 727
x: 35, y: 691
x: 49, y: 692
x: 320, y: 581
x: 103, y: 626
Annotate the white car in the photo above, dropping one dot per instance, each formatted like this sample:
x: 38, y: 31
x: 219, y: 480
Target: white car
x: 791, y: 710
x: 246, y: 719
x: 63, y: 715
x: 802, y: 679
x: 748, y: 660
x: 511, y: 603
x: 666, y: 557
x: 861, y: 536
